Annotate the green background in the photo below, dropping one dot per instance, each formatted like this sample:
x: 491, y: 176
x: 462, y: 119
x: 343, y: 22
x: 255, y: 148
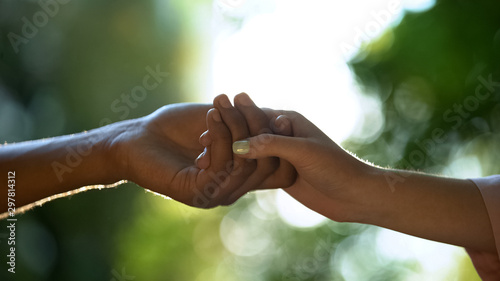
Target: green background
x: 66, y: 78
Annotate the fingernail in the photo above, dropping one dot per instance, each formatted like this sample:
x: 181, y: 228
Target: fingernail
x: 245, y: 100
x: 281, y: 122
x: 241, y: 147
x: 201, y: 155
x: 224, y: 102
x: 205, y: 139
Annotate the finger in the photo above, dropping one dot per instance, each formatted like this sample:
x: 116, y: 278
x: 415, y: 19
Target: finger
x: 291, y: 149
x: 272, y: 114
x: 219, y: 151
x: 243, y: 169
x: 228, y: 173
x: 212, y: 181
x: 237, y: 125
x: 271, y: 172
x: 282, y: 126
x: 285, y: 175
x: 231, y: 117
x: 203, y: 160
x: 205, y: 139
x: 300, y: 126
x: 258, y: 123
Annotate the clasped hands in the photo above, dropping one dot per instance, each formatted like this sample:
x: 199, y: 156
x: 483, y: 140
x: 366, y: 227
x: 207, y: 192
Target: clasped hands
x: 244, y: 148
x: 282, y: 149
x: 274, y: 149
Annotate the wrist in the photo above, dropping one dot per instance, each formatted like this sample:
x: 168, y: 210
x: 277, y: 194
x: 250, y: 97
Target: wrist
x: 377, y: 198
x: 364, y: 196
x: 115, y: 148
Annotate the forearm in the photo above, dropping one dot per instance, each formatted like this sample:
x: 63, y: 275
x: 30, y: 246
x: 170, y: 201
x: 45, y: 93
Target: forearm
x: 52, y: 166
x: 435, y: 208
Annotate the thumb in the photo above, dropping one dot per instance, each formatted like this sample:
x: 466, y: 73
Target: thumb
x: 291, y: 149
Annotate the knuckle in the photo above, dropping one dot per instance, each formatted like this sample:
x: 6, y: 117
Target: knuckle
x: 264, y: 139
x: 237, y: 124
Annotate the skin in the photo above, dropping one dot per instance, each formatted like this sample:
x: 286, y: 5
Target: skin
x: 245, y: 119
x: 157, y: 152
x: 336, y: 184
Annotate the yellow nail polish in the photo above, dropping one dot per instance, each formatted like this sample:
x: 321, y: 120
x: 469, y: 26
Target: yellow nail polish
x: 241, y: 147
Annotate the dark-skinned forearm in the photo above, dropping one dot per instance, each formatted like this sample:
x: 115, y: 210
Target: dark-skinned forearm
x: 44, y: 168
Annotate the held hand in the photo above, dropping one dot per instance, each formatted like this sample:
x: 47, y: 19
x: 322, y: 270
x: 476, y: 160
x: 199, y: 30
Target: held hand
x: 326, y: 174
x: 245, y: 119
x: 158, y: 152
x: 343, y: 188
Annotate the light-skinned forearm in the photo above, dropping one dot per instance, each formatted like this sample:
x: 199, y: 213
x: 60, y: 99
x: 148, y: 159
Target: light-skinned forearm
x: 436, y: 208
x: 334, y: 183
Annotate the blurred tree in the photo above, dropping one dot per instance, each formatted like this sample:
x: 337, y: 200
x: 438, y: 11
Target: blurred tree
x: 69, y: 66
x: 437, y: 74
x: 79, y: 69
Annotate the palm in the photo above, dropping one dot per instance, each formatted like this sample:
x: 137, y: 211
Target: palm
x: 167, y: 146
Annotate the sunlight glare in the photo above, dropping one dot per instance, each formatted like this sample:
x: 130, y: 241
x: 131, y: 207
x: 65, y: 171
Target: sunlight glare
x: 294, y: 57
x: 435, y: 258
x: 296, y: 214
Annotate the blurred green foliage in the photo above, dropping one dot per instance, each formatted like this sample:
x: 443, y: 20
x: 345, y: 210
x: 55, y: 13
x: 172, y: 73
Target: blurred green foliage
x: 72, y: 73
x: 437, y: 75
x: 69, y: 66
